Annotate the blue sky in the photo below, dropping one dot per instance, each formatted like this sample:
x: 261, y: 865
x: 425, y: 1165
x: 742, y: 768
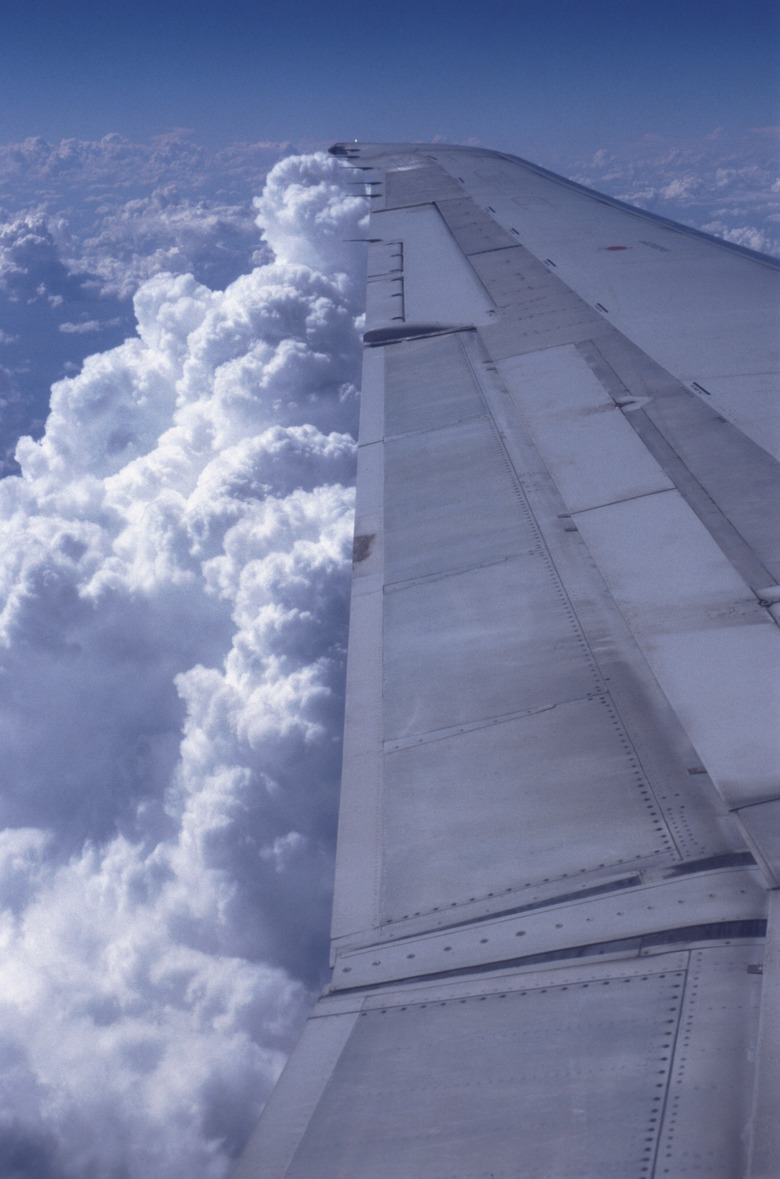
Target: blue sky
x: 522, y: 76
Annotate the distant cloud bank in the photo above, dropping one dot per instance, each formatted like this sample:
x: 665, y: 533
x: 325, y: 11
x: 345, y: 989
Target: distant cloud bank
x: 173, y: 599
x: 726, y: 185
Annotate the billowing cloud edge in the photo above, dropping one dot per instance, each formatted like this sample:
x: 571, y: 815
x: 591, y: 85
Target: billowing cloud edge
x: 172, y: 617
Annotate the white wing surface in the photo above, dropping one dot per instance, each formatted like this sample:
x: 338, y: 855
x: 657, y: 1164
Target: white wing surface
x: 555, y: 928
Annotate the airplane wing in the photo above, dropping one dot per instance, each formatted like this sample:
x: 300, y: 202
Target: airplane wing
x: 556, y: 946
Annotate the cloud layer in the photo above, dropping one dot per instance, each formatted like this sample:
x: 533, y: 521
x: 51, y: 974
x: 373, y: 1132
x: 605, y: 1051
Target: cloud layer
x: 172, y: 618
x: 725, y: 185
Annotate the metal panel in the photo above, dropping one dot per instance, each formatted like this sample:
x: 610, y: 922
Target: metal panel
x: 492, y: 628
x: 751, y: 403
x: 417, y: 183
x: 632, y: 911
x: 385, y: 258
x: 522, y: 1074
x: 539, y: 311
x: 450, y: 502
x: 468, y: 1088
x: 517, y: 977
x: 384, y: 282
x: 356, y: 894
x: 372, y: 402
x: 707, y: 1106
x: 593, y: 454
x: 481, y: 823
x: 431, y: 385
x: 762, y: 823
x: 712, y: 647
x: 471, y: 227
x: 291, y: 1104
x: 765, y: 1124
x: 703, y: 309
x: 439, y: 285
x: 739, y: 474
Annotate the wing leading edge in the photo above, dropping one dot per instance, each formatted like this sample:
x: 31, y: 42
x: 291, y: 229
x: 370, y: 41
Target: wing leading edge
x: 555, y: 930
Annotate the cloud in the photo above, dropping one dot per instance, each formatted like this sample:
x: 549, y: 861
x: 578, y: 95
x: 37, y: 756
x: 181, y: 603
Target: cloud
x: 173, y: 604
x: 75, y: 164
x: 84, y: 223
x: 681, y: 186
x: 122, y: 211
x: 317, y: 215
x: 169, y: 232
x: 722, y: 184
x: 743, y: 235
x: 87, y: 326
x: 45, y: 305
x: 87, y: 222
x: 30, y: 265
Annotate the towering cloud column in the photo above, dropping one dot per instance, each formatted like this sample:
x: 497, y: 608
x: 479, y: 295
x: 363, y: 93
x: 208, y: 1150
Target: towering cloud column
x: 173, y: 600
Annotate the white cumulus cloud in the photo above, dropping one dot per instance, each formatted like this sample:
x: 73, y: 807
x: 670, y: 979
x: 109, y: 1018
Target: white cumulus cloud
x: 168, y: 232
x: 173, y: 600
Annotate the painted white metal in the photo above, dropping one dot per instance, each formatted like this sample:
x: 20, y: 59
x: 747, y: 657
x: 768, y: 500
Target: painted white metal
x: 485, y: 1084
x: 434, y: 989
x: 715, y: 651
x: 439, y: 285
x: 591, y: 451
x: 704, y: 311
x: 761, y: 823
x: 296, y: 1096
x: 765, y: 1124
x: 358, y: 876
x: 628, y: 913
x: 621, y: 1067
x: 563, y: 677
